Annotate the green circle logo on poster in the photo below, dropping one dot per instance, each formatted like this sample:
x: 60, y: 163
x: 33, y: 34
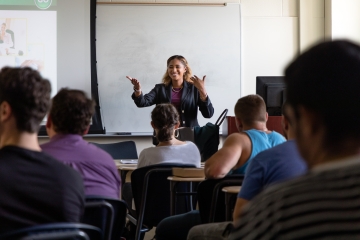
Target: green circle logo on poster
x: 43, y: 4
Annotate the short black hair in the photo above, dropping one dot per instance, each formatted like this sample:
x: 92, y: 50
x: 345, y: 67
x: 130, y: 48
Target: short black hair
x: 326, y: 80
x: 28, y: 94
x: 71, y: 111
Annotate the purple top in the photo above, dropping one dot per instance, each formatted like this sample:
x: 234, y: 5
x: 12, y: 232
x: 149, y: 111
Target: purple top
x: 96, y: 166
x: 176, y: 98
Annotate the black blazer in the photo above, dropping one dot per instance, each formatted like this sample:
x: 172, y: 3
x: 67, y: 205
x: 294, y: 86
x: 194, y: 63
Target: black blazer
x: 190, y: 101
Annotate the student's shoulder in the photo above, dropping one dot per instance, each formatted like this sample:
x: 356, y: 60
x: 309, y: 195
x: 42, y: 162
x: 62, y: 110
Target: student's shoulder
x: 150, y: 150
x: 95, y: 152
x: 189, y: 144
x: 277, y: 136
x: 59, y: 169
x: 280, y: 149
x: 237, y: 139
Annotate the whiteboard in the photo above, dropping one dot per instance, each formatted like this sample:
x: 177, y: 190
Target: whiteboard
x: 136, y: 40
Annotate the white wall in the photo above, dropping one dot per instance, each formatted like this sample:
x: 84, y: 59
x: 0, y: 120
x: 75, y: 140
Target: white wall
x: 272, y: 36
x: 270, y: 39
x: 343, y: 19
x: 311, y: 22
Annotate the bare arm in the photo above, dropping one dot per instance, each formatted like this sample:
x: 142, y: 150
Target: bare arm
x: 234, y: 153
x: 240, y: 203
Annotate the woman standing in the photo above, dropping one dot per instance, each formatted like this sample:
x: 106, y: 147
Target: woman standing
x: 186, y: 92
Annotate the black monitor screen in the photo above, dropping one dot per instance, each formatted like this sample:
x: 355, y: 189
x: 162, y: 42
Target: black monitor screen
x: 272, y: 90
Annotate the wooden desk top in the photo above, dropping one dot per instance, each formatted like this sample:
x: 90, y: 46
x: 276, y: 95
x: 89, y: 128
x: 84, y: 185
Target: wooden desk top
x: 185, y: 179
x: 132, y: 167
x: 231, y: 189
x: 127, y: 167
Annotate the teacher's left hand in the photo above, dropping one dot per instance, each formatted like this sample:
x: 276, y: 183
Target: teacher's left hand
x: 200, y: 85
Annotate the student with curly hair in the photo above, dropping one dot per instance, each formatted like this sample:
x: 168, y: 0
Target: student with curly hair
x: 68, y: 121
x: 165, y: 121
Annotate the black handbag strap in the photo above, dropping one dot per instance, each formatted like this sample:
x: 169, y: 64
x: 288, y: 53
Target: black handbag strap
x: 222, y: 117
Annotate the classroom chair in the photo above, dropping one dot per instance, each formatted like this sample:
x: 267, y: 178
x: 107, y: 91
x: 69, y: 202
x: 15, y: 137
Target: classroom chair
x: 211, y: 199
x: 58, y: 231
x: 151, y: 193
x: 120, y: 150
x: 108, y: 214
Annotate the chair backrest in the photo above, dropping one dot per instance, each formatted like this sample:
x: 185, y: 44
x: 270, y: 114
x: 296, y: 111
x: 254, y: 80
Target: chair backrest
x: 58, y: 231
x: 211, y: 199
x: 120, y: 150
x: 108, y: 214
x: 151, y: 192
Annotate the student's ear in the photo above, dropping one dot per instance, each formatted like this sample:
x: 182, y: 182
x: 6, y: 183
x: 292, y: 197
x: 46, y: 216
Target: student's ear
x: 238, y: 124
x: 86, y: 130
x: 5, y: 111
x: 152, y: 125
x: 48, y: 122
x: 285, y: 126
x: 177, y: 125
x: 311, y: 123
x: 266, y: 117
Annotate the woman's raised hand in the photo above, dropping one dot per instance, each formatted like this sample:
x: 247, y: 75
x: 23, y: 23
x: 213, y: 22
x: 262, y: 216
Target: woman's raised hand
x: 200, y: 85
x: 137, y: 85
x: 134, y: 82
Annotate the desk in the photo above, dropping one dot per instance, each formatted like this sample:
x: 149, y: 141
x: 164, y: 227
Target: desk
x: 173, y: 182
x: 124, y: 169
x: 229, y: 193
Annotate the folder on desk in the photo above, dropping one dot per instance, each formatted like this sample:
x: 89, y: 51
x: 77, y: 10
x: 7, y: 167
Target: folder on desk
x: 129, y: 161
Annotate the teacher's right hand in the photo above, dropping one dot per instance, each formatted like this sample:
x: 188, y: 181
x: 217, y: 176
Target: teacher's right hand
x: 137, y: 85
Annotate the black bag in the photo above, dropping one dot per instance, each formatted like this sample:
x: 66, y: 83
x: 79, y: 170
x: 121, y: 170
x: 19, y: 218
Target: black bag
x: 206, y: 137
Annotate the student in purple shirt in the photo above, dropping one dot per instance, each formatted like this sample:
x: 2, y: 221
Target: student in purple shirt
x: 68, y: 121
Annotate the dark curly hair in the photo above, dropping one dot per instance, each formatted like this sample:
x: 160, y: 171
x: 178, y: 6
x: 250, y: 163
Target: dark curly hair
x: 71, y: 111
x: 164, y: 117
x: 28, y: 94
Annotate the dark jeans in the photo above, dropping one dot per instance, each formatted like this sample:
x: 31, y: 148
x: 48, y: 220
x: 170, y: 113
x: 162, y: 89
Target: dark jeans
x: 177, y: 227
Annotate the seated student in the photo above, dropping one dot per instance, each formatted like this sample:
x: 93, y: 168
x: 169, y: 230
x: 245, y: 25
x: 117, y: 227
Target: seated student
x: 68, y: 121
x: 238, y: 150
x: 323, y: 86
x: 34, y: 187
x: 165, y: 121
x: 273, y: 165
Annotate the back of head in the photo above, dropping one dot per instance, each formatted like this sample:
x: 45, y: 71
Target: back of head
x: 164, y: 117
x: 28, y: 94
x: 71, y: 111
x: 326, y: 80
x: 250, y: 109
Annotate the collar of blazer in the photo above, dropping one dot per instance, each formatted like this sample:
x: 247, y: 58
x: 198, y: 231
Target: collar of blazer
x: 185, y: 91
